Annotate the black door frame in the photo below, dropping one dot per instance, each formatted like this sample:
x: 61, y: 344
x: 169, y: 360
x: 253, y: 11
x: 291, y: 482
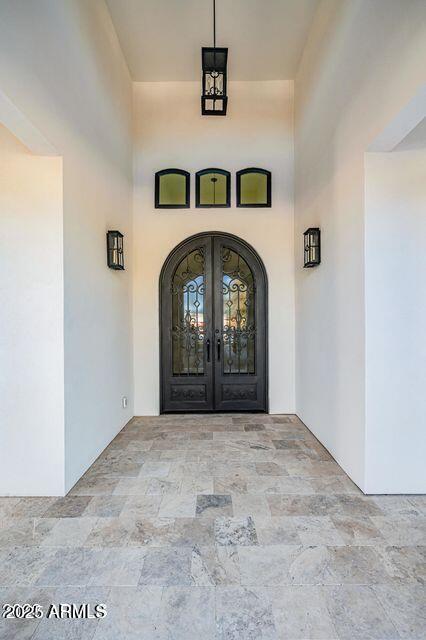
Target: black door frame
x: 248, y: 247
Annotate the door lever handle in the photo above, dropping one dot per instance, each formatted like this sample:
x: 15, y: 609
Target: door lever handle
x: 218, y: 348
x: 208, y: 350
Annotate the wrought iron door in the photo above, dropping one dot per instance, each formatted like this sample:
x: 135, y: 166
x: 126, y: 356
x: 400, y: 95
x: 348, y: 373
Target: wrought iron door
x: 213, y: 327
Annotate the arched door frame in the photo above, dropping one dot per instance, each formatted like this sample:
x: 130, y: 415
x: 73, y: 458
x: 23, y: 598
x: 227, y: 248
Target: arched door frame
x: 254, y: 254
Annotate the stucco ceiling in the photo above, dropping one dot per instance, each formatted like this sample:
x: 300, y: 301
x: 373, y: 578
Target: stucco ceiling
x: 161, y: 39
x: 416, y: 139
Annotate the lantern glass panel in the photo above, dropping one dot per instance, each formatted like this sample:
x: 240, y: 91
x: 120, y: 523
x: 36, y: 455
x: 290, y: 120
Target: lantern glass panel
x: 120, y: 252
x: 213, y: 84
x: 214, y: 59
x: 214, y: 107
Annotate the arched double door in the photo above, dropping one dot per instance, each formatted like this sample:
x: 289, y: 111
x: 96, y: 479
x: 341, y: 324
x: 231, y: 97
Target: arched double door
x: 213, y: 292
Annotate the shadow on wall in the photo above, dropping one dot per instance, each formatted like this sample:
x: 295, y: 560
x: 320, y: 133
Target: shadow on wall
x: 32, y: 342
x: 395, y: 225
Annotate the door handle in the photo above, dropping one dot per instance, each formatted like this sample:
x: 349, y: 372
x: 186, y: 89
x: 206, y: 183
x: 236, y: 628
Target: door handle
x: 208, y: 350
x: 218, y: 349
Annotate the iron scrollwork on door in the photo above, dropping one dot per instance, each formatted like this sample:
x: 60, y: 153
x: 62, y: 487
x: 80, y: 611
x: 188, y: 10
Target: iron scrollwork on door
x: 239, y: 392
x: 188, y: 326
x: 188, y: 392
x: 213, y: 293
x: 239, y: 324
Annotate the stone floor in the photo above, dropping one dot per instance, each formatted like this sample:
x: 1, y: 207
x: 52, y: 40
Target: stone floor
x: 219, y: 527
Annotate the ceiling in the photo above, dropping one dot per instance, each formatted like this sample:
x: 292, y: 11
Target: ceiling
x: 161, y: 39
x: 416, y: 139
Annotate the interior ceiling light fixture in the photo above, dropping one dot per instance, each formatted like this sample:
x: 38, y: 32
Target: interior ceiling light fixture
x: 214, y: 100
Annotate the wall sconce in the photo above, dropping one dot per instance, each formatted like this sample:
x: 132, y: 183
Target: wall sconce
x: 115, y: 255
x: 312, y: 245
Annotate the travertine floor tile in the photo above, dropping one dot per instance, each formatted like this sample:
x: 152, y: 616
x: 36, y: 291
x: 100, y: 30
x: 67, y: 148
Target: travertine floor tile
x: 278, y: 530
x: 167, y: 566
x: 24, y: 532
x: 267, y: 566
x: 251, y: 504
x: 235, y: 531
x: 155, y: 469
x: 77, y: 629
x: 402, y: 530
x: 118, y: 567
x: 197, y: 484
x: 23, y: 565
x: 70, y: 567
x: 317, y: 530
x: 68, y: 507
x: 137, y: 506
x: 16, y: 629
x: 243, y: 613
x: 230, y: 484
x: 8, y: 506
x: 215, y: 565
x: 31, y: 507
x: 110, y: 532
x: 401, y: 505
x: 405, y: 564
x: 271, y: 469
x: 279, y: 484
x: 105, y: 506
x: 187, y: 612
x: 133, y: 614
x: 221, y: 527
x: 301, y: 613
x: 69, y: 532
x: 172, y: 532
x: 95, y: 485
x: 357, y: 530
x: 357, y: 614
x: 212, y: 506
x: 405, y: 607
x: 179, y: 506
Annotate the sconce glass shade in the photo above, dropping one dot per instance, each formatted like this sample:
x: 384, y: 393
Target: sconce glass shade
x: 312, y: 247
x: 115, y: 254
x: 214, y: 100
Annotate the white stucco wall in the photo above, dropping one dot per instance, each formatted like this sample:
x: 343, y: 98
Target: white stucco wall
x: 31, y: 322
x: 395, y: 290
x: 361, y: 66
x: 61, y: 65
x: 74, y: 87
x: 170, y: 132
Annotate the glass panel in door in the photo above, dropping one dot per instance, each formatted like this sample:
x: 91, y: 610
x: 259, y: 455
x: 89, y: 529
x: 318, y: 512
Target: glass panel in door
x: 188, y: 322
x: 238, y: 315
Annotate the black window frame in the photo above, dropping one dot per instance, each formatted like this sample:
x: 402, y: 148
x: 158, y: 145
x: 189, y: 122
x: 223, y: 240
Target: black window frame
x: 268, y: 174
x: 203, y: 172
x: 181, y: 172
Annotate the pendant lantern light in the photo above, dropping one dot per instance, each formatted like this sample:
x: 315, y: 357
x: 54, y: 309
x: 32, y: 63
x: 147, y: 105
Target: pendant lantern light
x: 214, y: 100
